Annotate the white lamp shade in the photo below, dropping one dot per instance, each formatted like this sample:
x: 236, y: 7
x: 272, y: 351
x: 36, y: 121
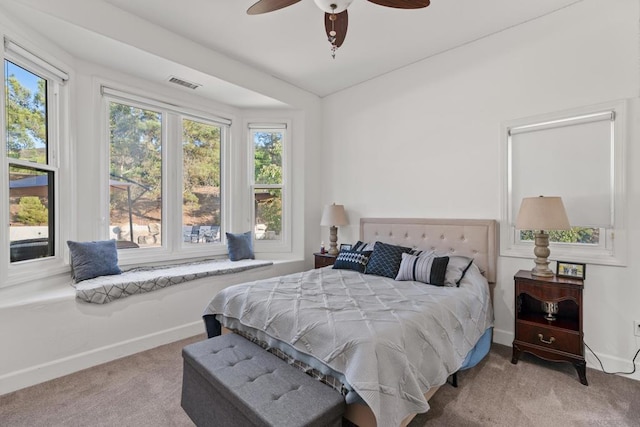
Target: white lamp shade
x: 542, y: 213
x: 325, y: 5
x: 334, y: 215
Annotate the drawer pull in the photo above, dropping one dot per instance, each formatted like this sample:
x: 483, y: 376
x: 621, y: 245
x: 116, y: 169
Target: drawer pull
x: 551, y: 340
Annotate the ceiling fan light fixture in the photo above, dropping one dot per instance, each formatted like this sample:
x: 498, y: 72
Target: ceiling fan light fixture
x: 336, y: 18
x: 338, y: 5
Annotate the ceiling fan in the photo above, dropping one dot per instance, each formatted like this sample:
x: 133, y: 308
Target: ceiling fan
x: 335, y: 14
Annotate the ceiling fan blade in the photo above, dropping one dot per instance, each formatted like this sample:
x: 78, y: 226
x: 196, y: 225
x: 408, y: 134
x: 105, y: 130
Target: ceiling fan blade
x: 339, y: 26
x: 264, y: 6
x: 403, y: 4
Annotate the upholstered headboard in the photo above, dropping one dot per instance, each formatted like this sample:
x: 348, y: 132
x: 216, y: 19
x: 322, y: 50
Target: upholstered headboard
x: 474, y: 238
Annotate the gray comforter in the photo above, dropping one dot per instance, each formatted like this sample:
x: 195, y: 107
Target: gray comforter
x: 391, y: 340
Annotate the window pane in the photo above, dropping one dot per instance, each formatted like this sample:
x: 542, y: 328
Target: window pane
x: 582, y: 235
x: 26, y: 99
x: 135, y: 176
x: 201, y: 182
x: 268, y: 157
x: 268, y: 213
x: 31, y: 213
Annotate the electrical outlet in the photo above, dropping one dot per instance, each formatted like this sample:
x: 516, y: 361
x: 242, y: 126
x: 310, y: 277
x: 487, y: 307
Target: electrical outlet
x: 636, y: 328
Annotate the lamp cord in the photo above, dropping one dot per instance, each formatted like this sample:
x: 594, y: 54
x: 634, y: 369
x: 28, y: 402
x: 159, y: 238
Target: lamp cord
x: 614, y: 373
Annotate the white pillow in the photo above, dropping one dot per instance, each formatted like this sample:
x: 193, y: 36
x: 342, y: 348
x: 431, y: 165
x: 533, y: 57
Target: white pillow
x: 456, y: 269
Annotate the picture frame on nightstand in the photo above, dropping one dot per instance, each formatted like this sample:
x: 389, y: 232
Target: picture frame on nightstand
x: 572, y: 270
x: 345, y: 247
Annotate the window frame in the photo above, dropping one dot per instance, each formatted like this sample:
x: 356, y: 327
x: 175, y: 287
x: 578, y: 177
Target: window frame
x: 255, y: 125
x: 612, y: 249
x: 58, y: 163
x: 172, y: 247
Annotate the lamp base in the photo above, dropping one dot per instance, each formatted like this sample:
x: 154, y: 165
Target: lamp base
x: 535, y: 271
x: 542, y: 252
x: 333, y: 240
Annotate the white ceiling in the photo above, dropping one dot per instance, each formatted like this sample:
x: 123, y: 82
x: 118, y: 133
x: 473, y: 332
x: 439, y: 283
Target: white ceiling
x: 291, y: 44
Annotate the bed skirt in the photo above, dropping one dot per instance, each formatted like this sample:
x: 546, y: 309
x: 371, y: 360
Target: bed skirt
x: 477, y: 353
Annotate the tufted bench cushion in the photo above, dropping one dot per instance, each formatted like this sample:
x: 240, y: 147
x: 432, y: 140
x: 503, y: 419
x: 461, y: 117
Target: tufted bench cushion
x: 229, y: 381
x: 104, y: 289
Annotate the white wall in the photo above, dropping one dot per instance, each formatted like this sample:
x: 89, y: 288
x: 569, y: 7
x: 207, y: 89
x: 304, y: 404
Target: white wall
x: 424, y: 141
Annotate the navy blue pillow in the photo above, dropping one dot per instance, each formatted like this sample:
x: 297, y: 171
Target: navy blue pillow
x: 240, y: 246
x: 93, y: 259
x: 352, y: 260
x: 385, y: 259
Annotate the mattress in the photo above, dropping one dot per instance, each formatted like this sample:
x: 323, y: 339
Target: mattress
x: 388, y: 341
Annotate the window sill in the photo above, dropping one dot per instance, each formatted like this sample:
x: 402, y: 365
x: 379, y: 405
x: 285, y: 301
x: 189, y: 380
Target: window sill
x: 36, y: 292
x: 568, y: 254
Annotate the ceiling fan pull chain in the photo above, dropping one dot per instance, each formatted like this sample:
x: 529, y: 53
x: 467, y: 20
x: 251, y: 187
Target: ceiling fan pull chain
x: 332, y: 35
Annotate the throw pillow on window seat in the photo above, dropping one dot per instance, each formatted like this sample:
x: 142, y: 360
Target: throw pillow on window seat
x: 93, y: 259
x: 240, y: 246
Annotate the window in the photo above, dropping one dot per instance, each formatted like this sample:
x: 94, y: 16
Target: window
x: 31, y: 173
x: 135, y: 175
x: 165, y: 177
x: 201, y: 182
x: 268, y: 178
x: 31, y: 167
x: 577, y: 155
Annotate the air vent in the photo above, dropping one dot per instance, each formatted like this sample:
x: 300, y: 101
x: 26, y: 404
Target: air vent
x: 183, y: 83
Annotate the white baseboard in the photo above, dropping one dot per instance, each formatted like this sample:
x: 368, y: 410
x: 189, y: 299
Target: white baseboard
x: 47, y: 371
x: 502, y: 337
x: 611, y: 363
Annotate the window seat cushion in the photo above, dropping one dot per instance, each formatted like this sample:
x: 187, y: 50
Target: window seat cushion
x: 104, y: 289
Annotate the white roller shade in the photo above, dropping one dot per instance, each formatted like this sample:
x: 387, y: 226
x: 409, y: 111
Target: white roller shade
x: 125, y: 96
x: 35, y: 61
x: 567, y: 158
x: 273, y: 126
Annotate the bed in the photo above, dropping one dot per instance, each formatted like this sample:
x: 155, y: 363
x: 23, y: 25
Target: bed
x: 387, y: 345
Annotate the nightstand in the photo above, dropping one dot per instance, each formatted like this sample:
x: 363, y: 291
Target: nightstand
x: 323, y: 260
x: 559, y: 340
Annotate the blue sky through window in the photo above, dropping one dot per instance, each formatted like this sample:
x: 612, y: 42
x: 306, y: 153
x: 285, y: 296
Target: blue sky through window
x: 27, y: 80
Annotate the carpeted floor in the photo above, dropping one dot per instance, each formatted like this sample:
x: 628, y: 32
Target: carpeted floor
x: 144, y: 390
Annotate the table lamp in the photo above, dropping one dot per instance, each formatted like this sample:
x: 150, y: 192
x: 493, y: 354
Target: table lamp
x: 541, y: 214
x: 333, y: 215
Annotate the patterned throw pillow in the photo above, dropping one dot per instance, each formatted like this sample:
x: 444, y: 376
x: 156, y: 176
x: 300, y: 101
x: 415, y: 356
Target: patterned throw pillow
x: 385, y: 259
x: 352, y: 260
x: 362, y: 246
x: 426, y: 269
x: 93, y: 259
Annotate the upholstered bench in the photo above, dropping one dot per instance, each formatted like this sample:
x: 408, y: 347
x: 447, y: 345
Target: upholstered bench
x: 229, y: 381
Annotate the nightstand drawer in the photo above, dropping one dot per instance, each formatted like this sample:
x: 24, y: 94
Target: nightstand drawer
x: 551, y: 338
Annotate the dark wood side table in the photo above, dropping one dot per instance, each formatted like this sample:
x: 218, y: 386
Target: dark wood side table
x: 559, y: 340
x: 323, y: 260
